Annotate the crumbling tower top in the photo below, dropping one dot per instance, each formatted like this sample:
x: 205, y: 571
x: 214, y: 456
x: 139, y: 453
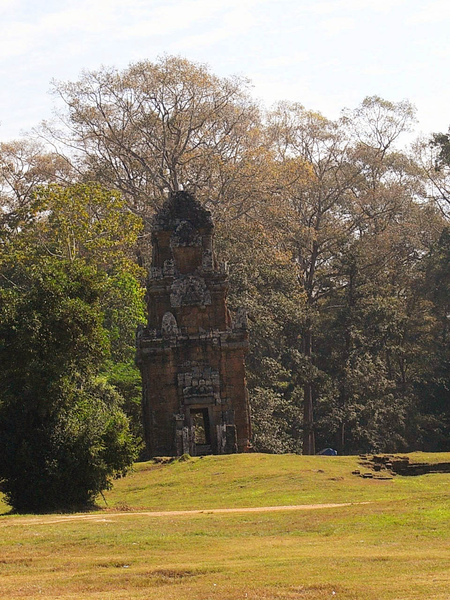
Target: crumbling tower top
x: 182, y: 207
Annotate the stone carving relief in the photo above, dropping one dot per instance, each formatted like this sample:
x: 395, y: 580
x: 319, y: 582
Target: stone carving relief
x: 169, y: 268
x: 189, y: 291
x: 169, y: 326
x: 143, y: 331
x: 207, y: 260
x: 140, y: 331
x: 224, y: 268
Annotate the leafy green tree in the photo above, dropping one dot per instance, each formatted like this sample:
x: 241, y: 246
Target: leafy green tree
x: 375, y: 338
x: 367, y: 410
x: 125, y: 377
x: 318, y: 203
x: 69, y: 302
x: 63, y: 435
x: 90, y: 223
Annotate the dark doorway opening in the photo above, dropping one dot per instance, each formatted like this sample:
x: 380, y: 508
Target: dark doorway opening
x: 202, y: 431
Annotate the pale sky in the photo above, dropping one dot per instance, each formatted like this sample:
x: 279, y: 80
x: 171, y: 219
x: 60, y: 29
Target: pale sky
x: 325, y: 54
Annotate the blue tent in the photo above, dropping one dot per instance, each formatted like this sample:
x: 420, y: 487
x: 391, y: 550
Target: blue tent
x: 328, y: 452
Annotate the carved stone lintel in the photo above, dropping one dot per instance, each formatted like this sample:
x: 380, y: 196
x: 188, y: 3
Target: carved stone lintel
x: 199, y: 384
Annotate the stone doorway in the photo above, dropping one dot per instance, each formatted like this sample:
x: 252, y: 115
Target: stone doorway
x: 201, y: 429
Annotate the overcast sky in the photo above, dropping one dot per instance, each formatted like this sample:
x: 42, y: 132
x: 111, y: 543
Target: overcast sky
x: 326, y: 54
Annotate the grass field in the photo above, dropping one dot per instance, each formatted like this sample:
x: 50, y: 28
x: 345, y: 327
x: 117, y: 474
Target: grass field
x: 392, y: 542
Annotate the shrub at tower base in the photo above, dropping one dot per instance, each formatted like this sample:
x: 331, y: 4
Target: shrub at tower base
x: 63, y: 435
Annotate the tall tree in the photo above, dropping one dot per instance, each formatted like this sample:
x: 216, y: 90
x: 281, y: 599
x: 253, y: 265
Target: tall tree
x: 345, y: 194
x: 437, y: 167
x: 263, y: 279
x: 155, y: 128
x: 434, y: 384
x: 381, y: 321
x: 301, y: 136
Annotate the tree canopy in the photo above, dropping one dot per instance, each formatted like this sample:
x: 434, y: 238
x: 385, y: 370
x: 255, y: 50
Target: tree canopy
x: 336, y: 237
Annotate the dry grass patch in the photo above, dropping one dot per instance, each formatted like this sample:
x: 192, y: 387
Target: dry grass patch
x: 395, y: 547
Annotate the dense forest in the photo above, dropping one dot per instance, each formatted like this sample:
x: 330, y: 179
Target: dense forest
x: 336, y: 236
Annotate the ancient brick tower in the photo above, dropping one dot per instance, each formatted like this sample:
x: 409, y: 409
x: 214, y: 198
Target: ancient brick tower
x: 191, y: 354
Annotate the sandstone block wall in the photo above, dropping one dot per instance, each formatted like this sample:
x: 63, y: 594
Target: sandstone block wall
x: 191, y: 353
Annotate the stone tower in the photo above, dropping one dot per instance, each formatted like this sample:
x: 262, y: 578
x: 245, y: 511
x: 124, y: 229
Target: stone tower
x: 191, y: 354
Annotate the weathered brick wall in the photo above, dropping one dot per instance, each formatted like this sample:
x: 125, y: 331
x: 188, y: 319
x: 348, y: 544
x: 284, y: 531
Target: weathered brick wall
x: 190, y: 355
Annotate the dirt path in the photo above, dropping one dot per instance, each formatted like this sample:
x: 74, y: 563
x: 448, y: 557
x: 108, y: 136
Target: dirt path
x: 108, y: 516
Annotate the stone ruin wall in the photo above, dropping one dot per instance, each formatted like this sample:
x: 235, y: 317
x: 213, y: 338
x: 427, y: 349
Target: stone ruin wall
x: 191, y: 353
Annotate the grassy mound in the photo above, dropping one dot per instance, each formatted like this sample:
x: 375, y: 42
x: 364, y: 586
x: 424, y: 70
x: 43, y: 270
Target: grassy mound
x: 390, y: 543
x: 259, y: 480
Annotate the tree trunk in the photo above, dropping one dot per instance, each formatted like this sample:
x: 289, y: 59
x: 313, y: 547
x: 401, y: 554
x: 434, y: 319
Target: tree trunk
x: 340, y: 438
x: 309, y: 446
